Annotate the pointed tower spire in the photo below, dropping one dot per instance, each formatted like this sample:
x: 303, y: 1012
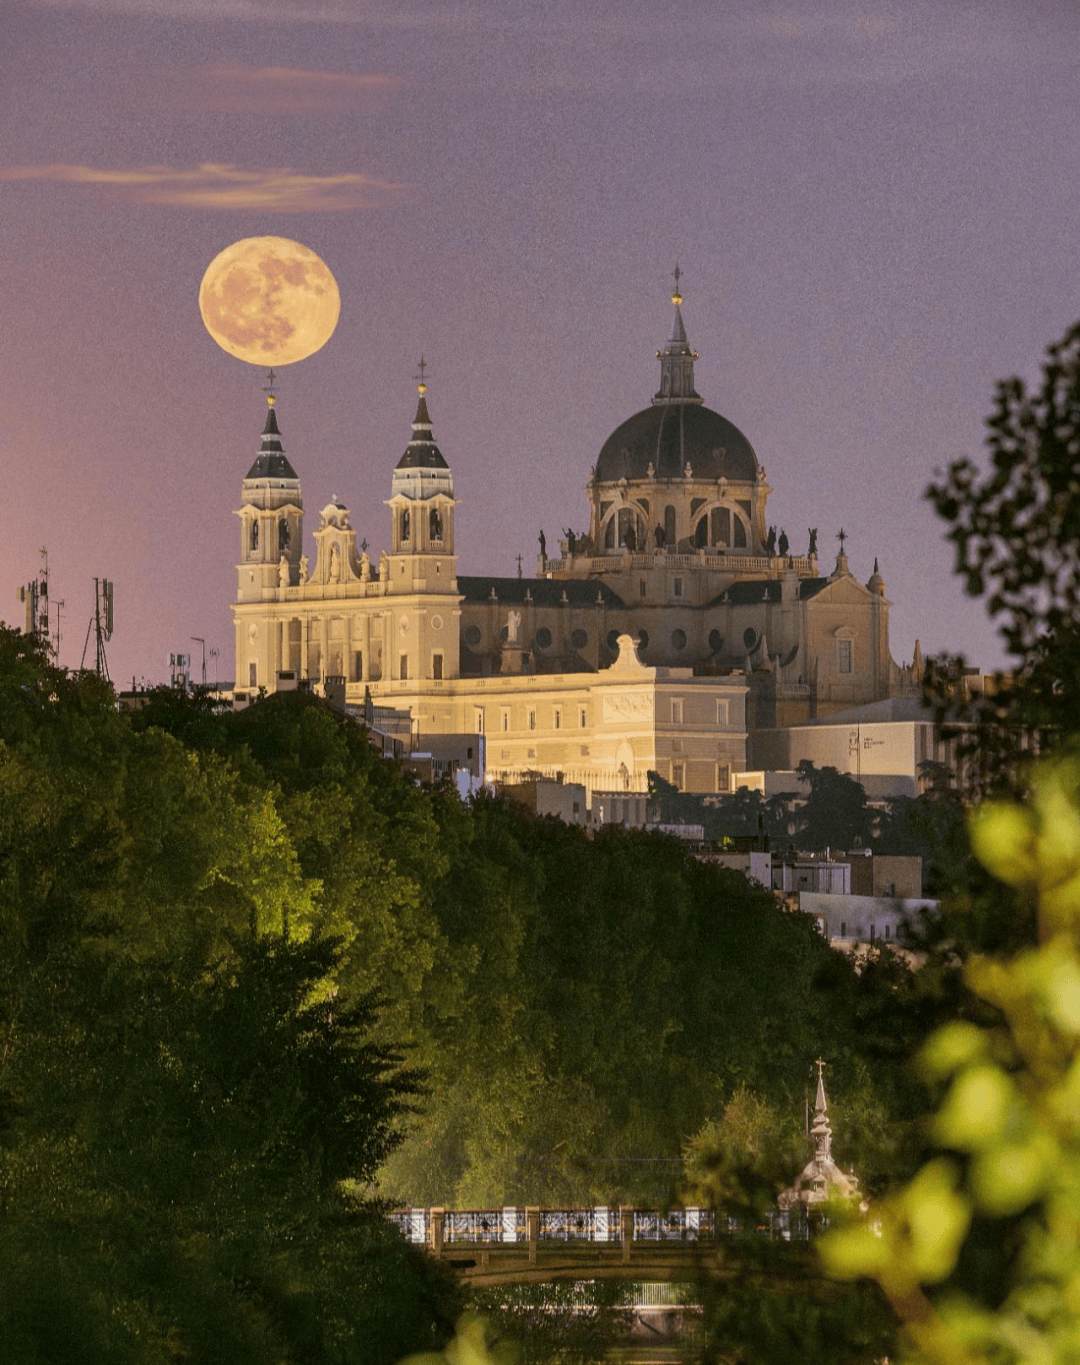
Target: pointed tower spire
x: 820, y: 1129
x: 422, y: 452
x: 677, y: 359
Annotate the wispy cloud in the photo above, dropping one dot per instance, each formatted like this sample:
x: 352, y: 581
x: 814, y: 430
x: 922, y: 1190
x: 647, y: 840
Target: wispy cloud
x: 444, y: 14
x: 232, y: 88
x: 226, y: 187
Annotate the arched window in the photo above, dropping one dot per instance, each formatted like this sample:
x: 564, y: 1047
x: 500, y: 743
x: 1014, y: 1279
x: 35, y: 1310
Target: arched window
x: 254, y: 535
x: 669, y: 526
x: 283, y: 534
x: 404, y: 526
x: 434, y: 524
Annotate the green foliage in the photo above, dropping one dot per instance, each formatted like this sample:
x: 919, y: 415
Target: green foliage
x: 191, y: 1107
x: 979, y: 1252
x: 836, y: 814
x: 600, y: 999
x: 779, y: 1310
x: 1015, y: 531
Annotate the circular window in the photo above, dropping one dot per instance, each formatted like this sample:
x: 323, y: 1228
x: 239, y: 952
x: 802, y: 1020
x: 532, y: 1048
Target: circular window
x: 678, y: 639
x: 579, y: 638
x: 643, y: 639
x: 543, y: 638
x: 436, y: 623
x: 472, y: 636
x: 749, y: 637
x: 716, y: 641
x: 613, y: 640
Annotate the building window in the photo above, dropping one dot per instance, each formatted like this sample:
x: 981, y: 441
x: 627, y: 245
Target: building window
x: 403, y: 670
x: 253, y: 675
x: 556, y: 718
x: 478, y: 722
x: 843, y: 656
x: 722, y: 713
x: 723, y: 777
x: 843, y: 929
x: 582, y: 718
x: 886, y: 931
x: 641, y: 588
x: 678, y: 587
x: 436, y: 667
x: 676, y: 710
x: 532, y: 720
x: 505, y: 720
x: 871, y: 933
x: 358, y: 665
x: 678, y: 775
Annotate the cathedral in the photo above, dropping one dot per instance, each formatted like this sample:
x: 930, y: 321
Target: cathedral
x: 662, y: 638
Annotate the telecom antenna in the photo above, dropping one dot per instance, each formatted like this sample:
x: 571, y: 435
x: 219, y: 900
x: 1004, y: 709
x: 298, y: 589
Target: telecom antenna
x: 101, y: 623
x: 35, y: 594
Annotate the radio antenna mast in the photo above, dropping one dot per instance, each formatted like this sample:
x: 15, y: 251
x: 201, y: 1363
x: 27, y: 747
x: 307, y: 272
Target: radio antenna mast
x: 101, y: 623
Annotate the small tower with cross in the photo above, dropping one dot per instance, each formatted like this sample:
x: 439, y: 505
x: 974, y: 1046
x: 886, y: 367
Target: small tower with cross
x: 271, y: 542
x: 422, y: 563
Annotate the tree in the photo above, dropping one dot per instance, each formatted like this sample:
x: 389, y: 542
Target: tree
x: 978, y: 1253
x: 1016, y: 532
x: 191, y: 1109
x: 836, y: 814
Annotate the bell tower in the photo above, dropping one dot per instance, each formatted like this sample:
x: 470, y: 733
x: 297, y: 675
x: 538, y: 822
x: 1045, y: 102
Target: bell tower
x: 271, y: 541
x: 271, y: 517
x: 421, y: 567
x: 422, y: 507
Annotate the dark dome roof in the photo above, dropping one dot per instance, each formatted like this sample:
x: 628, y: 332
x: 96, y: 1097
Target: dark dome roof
x: 668, y: 435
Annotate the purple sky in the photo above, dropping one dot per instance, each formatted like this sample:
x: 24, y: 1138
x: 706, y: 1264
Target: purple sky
x: 875, y: 207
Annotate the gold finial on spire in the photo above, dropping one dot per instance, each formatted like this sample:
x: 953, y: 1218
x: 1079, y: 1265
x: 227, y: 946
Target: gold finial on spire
x: 421, y: 387
x: 268, y: 389
x: 676, y: 297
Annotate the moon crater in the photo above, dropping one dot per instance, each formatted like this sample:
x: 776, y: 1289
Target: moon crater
x: 269, y: 301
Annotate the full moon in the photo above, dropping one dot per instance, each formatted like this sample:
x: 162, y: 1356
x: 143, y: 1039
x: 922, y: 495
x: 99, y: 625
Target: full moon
x: 269, y: 301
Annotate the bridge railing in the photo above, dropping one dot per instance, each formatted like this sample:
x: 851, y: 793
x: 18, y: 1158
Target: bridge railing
x: 438, y: 1227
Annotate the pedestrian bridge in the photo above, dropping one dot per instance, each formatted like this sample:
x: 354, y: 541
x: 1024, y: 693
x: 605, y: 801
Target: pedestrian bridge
x: 517, y: 1245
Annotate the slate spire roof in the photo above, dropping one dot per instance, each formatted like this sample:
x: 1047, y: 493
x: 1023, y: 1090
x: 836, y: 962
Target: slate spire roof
x: 271, y: 461
x: 422, y: 452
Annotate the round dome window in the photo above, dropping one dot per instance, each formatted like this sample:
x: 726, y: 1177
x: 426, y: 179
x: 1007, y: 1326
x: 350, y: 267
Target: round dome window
x: 472, y: 636
x: 543, y: 638
x: 678, y: 639
x: 579, y: 638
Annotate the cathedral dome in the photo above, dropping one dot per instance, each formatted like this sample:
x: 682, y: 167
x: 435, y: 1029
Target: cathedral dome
x: 662, y: 440
x: 678, y: 430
